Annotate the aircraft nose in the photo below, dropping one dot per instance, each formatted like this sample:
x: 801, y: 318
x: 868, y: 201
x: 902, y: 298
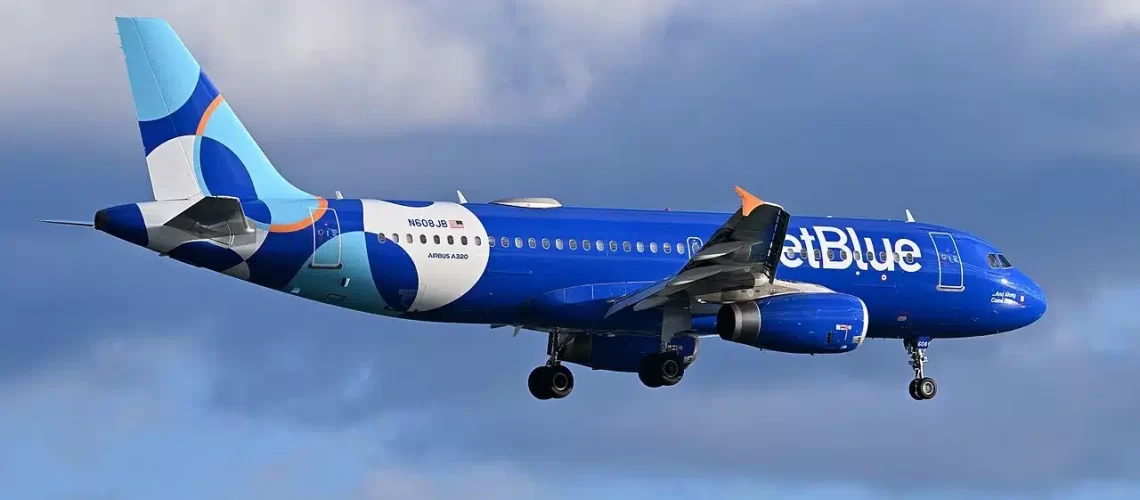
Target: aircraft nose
x: 1034, y: 303
x: 124, y: 222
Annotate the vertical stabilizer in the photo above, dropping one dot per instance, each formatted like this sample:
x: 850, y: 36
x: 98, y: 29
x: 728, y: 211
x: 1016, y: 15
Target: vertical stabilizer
x: 195, y: 145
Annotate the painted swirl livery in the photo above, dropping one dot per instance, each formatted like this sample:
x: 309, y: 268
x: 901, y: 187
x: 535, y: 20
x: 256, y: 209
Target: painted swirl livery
x: 621, y: 290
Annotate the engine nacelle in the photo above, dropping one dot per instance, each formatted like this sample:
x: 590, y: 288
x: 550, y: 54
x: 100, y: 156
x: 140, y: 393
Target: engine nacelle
x: 801, y: 323
x: 623, y: 353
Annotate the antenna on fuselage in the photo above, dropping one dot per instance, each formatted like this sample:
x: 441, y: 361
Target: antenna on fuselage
x: 909, y: 217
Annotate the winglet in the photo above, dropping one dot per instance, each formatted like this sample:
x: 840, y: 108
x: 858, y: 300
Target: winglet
x: 462, y: 199
x: 909, y: 217
x: 748, y: 201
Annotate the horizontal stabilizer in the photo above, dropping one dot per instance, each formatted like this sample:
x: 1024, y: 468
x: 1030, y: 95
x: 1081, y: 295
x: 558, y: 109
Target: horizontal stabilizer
x: 213, y: 217
x: 68, y: 222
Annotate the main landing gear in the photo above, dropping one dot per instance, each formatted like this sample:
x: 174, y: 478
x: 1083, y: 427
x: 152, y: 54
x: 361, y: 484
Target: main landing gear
x: 552, y: 380
x: 922, y: 387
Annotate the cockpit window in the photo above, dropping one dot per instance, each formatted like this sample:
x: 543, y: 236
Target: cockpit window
x: 1004, y: 261
x: 993, y: 260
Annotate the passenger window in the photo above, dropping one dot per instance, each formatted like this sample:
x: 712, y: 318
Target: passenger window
x: 818, y: 255
x: 435, y: 238
x: 558, y: 243
x: 490, y: 241
x: 423, y: 239
x: 613, y: 246
x: 450, y: 240
x: 518, y: 242
x: 870, y: 256
x: 409, y: 240
x: 600, y: 246
x: 505, y: 241
x: 1004, y: 261
x: 653, y: 247
x: 908, y: 258
x: 882, y: 255
x: 830, y: 254
x: 530, y: 242
x: 396, y: 237
x: 680, y: 249
x: 897, y: 257
x: 803, y: 254
x: 546, y: 243
x: 380, y: 236
x: 667, y: 247
x: 858, y: 256
x: 585, y: 244
x: 626, y: 247
x: 843, y: 254
x: 463, y: 240
x: 573, y: 244
x: 640, y: 247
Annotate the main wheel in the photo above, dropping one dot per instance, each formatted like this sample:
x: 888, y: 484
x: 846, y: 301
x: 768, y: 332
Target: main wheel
x: 547, y: 382
x: 662, y: 369
x: 537, y: 383
x: 914, y: 390
x: 926, y: 388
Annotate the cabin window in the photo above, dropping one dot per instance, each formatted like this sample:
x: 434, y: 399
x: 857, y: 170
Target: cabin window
x: 396, y: 237
x: 531, y: 242
x: 667, y: 247
x: 897, y: 257
x: 613, y: 246
x: 505, y: 241
x: 640, y: 247
x: 858, y: 256
x: 585, y: 244
x: 626, y: 246
x: 908, y: 258
x: 435, y: 238
x: 831, y: 254
x: 490, y: 241
x: 450, y: 240
x: 600, y: 246
x: 573, y: 244
x: 818, y: 255
x: 423, y: 239
x: 518, y: 242
x: 546, y: 243
x: 653, y: 247
x: 409, y: 240
x: 842, y: 254
x: 882, y: 255
x: 463, y: 240
x: 381, y: 237
x: 680, y: 249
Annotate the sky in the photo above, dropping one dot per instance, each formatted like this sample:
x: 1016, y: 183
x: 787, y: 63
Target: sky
x: 124, y: 375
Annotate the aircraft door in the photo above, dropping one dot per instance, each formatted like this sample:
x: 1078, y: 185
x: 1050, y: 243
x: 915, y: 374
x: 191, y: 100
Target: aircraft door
x: 950, y: 273
x: 695, y: 245
x: 326, y: 245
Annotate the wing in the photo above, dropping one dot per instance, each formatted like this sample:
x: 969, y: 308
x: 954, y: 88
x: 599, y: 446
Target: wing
x: 740, y: 257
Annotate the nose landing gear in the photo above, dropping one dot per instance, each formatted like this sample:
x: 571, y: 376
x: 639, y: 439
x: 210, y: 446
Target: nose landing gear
x: 922, y: 387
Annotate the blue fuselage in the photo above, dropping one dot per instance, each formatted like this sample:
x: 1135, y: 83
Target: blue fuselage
x: 562, y: 268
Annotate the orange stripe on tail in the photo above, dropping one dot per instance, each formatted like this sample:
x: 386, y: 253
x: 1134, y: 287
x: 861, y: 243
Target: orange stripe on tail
x: 322, y: 207
x: 209, y: 112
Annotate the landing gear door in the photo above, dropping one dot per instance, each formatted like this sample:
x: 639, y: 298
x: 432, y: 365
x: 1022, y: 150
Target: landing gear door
x: 950, y: 273
x: 695, y: 245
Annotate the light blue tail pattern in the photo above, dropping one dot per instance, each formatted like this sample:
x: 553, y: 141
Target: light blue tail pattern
x: 195, y: 144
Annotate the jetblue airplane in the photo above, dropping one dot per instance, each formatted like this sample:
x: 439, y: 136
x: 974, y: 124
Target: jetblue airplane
x: 620, y: 290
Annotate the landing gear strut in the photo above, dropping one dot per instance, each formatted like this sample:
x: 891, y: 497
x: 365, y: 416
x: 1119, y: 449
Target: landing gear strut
x: 922, y: 387
x: 552, y: 380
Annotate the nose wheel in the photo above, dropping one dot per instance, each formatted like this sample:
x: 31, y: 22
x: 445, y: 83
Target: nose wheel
x: 922, y: 387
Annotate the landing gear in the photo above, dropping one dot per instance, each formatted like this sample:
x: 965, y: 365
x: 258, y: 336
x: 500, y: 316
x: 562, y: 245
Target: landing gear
x: 661, y: 369
x: 922, y: 387
x: 552, y: 380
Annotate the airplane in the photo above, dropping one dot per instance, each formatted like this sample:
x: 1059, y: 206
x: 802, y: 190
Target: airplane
x: 631, y: 291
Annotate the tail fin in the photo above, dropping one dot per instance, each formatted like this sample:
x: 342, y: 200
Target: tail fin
x: 195, y: 145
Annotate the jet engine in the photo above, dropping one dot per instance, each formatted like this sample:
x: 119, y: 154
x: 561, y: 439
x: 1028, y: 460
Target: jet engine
x: 801, y: 323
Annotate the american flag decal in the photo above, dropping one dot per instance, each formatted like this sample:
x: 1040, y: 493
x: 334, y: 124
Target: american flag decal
x: 455, y: 224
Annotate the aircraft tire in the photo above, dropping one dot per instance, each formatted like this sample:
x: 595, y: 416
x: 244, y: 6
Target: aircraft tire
x: 551, y: 382
x: 661, y: 370
x: 914, y: 390
x: 926, y: 388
